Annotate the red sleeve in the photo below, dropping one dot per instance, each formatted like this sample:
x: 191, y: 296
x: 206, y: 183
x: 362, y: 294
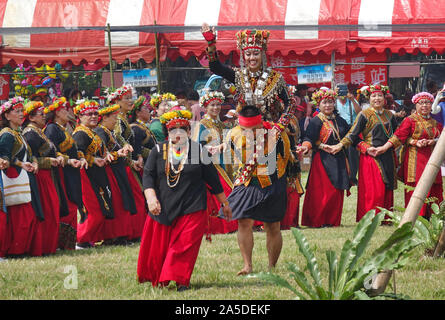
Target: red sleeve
x: 405, y: 130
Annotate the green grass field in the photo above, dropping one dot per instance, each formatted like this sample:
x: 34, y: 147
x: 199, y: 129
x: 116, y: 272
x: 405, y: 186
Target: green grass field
x: 110, y: 272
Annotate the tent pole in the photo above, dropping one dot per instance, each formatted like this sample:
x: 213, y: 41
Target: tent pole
x: 158, y: 67
x: 415, y: 204
x: 110, y: 56
x: 333, y: 69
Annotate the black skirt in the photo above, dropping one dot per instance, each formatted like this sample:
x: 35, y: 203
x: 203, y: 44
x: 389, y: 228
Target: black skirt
x: 263, y: 204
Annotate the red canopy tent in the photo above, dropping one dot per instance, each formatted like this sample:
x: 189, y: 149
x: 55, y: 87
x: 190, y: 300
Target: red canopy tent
x: 74, y: 31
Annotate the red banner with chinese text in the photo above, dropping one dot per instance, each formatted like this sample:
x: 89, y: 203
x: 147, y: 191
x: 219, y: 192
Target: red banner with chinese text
x: 356, y: 73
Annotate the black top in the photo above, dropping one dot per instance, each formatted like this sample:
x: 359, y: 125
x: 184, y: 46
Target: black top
x: 189, y: 195
x: 144, y: 140
x: 334, y: 164
x: 118, y: 167
x: 375, y: 130
x: 65, y: 144
x: 44, y: 150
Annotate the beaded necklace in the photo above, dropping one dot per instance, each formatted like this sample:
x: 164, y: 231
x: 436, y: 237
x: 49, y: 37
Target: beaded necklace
x: 388, y: 132
x: 171, y: 173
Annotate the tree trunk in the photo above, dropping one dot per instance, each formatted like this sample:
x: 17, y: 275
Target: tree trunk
x: 440, y: 247
x: 415, y: 204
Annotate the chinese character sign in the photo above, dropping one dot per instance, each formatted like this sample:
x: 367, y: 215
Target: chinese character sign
x: 314, y: 74
x: 140, y: 78
x: 354, y: 72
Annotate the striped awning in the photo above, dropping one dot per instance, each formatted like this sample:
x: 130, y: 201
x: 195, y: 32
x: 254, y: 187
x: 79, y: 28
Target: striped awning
x: 52, y: 31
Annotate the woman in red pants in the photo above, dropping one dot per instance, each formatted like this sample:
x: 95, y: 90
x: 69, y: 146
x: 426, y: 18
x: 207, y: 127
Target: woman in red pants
x: 175, y: 188
x: 328, y: 177
x: 57, y: 116
x: 372, y: 128
x: 418, y: 135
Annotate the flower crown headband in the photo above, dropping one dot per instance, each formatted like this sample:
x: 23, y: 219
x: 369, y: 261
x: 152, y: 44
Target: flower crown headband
x: 157, y: 98
x: 209, y: 97
x: 368, y: 90
x: 109, y: 109
x: 85, y: 105
x: 118, y: 94
x: 322, y: 94
x: 175, y: 118
x: 31, y: 106
x: 57, y: 103
x: 11, y: 103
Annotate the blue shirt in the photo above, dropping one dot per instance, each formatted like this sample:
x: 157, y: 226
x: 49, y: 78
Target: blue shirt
x: 346, y: 111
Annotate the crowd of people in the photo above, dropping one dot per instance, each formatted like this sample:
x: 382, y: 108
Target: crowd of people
x: 77, y: 174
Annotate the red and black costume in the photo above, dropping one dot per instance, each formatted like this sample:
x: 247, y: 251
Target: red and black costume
x: 328, y: 177
x: 377, y: 179
x: 414, y: 159
x: 71, y: 183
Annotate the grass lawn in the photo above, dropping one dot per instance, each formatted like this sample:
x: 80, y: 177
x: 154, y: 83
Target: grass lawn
x: 110, y: 272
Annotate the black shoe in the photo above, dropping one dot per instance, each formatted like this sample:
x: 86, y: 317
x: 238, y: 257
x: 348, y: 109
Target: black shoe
x: 181, y: 288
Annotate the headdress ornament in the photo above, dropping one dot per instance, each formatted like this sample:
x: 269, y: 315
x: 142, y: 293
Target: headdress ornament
x: 322, y: 94
x: 11, y: 104
x: 252, y: 39
x: 57, y: 103
x: 112, y: 97
x: 83, y: 106
x: 368, y: 90
x: 210, y: 96
x: 421, y: 96
x: 109, y: 109
x: 176, y: 117
x: 31, y: 106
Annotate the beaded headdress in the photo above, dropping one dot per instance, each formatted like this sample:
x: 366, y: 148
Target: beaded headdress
x: 252, y: 39
x: 421, y: 96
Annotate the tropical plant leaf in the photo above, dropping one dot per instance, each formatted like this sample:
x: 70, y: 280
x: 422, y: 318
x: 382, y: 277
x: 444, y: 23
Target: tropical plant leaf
x: 385, y: 257
x: 367, y: 235
x: 331, y: 256
x: 275, y: 279
x: 305, y: 249
x: 435, y: 208
x: 301, y: 280
x: 360, y: 295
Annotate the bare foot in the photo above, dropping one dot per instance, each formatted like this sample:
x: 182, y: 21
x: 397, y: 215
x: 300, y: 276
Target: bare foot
x: 244, y: 271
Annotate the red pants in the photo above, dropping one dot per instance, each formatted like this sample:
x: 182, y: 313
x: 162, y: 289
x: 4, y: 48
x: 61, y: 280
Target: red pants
x: 217, y: 225
x: 3, y: 238
x: 120, y: 225
x: 435, y: 191
x: 323, y: 203
x: 169, y: 253
x: 372, y: 192
x: 49, y: 228
x: 22, y: 236
x: 292, y: 211
x: 91, y: 230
